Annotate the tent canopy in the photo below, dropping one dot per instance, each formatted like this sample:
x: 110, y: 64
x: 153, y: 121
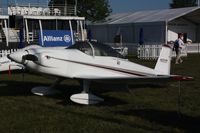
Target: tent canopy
x: 165, y: 15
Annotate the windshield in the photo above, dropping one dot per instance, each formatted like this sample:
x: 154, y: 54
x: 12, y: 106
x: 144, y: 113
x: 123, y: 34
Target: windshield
x: 100, y: 49
x: 82, y: 46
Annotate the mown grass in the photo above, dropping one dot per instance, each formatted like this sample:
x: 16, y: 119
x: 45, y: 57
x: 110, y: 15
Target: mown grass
x: 142, y: 108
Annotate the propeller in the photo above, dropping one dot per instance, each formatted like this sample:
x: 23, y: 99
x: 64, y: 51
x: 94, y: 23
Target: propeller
x: 30, y: 57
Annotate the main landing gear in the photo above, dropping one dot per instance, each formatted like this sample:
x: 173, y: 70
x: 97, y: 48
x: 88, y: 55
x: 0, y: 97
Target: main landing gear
x: 85, y: 97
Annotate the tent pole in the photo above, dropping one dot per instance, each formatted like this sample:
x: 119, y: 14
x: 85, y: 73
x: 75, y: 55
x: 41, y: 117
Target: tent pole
x: 166, y: 32
x: 41, y: 32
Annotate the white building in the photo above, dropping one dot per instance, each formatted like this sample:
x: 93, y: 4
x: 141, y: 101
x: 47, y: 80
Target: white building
x: 159, y: 26
x: 30, y: 24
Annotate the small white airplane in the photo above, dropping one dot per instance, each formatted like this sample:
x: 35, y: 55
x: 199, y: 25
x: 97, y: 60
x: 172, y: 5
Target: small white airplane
x: 91, y: 61
x: 8, y: 65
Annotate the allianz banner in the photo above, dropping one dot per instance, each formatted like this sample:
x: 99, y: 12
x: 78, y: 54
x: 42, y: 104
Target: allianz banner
x: 52, y: 38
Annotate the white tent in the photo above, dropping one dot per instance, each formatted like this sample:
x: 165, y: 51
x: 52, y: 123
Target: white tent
x: 159, y: 26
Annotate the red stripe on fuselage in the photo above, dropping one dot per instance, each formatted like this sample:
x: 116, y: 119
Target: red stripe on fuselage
x: 106, y: 67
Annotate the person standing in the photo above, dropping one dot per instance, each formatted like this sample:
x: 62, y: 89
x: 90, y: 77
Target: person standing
x: 178, y: 46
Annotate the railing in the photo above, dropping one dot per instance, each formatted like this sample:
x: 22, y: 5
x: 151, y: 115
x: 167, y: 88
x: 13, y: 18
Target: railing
x: 69, y: 10
x: 12, y: 33
x: 149, y: 52
x: 51, y: 10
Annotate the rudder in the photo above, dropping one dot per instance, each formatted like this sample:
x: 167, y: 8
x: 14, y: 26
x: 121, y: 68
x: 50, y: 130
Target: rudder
x: 163, y: 64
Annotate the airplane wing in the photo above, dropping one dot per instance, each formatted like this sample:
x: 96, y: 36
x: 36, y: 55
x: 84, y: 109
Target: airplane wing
x: 131, y: 80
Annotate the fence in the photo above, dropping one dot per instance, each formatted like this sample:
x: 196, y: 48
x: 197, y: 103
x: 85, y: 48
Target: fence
x: 153, y: 51
x: 6, y: 52
x: 193, y: 48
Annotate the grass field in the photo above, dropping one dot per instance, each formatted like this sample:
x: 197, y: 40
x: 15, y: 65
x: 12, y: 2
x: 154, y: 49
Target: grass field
x: 142, y: 108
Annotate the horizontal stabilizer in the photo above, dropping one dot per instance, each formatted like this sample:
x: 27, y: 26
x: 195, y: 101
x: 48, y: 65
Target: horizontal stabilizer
x: 181, y: 78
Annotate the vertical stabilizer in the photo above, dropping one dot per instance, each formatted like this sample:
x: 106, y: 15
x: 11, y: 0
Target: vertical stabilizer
x: 163, y: 64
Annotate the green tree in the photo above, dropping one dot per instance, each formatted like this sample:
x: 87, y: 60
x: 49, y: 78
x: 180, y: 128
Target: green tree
x: 183, y: 3
x: 92, y: 10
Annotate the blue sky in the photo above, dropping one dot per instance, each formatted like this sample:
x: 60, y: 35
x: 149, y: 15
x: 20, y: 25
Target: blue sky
x: 24, y: 2
x: 41, y: 2
x: 132, y: 5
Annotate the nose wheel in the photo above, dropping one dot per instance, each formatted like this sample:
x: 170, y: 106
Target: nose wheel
x: 85, y: 97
